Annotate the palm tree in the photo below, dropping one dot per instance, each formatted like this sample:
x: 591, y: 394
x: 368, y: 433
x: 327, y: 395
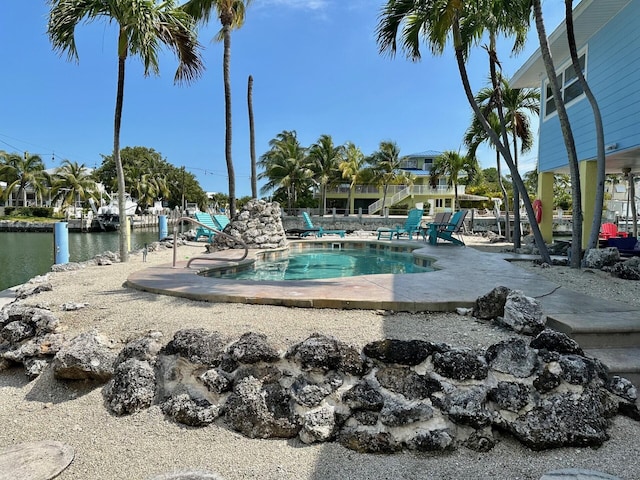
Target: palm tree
x: 385, y: 168
x: 464, y: 22
x: 19, y: 172
x: 453, y: 165
x: 72, y: 182
x: 517, y: 103
x: 597, y: 117
x: 286, y: 167
x: 567, y: 135
x: 474, y: 136
x: 252, y: 139
x: 350, y: 168
x: 143, y: 26
x: 325, y: 158
x: 231, y: 14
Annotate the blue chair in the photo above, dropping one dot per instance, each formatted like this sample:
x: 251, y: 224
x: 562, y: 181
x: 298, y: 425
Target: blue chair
x: 221, y: 220
x: 411, y: 226
x: 319, y: 231
x: 447, y: 231
x: 211, y: 226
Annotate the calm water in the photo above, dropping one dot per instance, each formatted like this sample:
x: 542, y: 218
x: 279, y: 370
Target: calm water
x: 23, y: 255
x: 322, y: 263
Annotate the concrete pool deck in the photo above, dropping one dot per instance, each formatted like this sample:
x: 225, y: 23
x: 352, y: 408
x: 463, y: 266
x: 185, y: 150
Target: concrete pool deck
x: 607, y: 330
x: 463, y: 275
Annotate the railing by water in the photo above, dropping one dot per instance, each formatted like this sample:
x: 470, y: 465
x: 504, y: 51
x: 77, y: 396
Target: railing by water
x: 209, y: 258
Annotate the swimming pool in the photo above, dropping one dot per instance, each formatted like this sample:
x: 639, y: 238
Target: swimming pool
x: 332, y: 261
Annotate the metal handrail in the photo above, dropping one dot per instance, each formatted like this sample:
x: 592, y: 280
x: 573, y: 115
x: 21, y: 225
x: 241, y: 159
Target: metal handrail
x: 218, y: 232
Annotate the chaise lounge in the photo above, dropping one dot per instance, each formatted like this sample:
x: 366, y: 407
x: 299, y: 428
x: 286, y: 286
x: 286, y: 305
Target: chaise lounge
x: 411, y: 226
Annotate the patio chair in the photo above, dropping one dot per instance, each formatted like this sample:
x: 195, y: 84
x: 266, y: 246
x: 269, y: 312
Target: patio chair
x: 447, y: 231
x: 411, y: 225
x: 221, y: 220
x: 310, y: 228
x: 440, y: 220
x: 610, y: 230
x: 211, y: 226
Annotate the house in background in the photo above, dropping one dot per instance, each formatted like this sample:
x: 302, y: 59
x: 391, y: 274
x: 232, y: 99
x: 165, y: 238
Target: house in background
x: 433, y: 199
x: 608, y: 42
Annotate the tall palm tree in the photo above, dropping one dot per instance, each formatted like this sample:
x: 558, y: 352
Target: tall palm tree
x: 385, y: 168
x: 567, y: 135
x: 72, y: 182
x: 252, y: 139
x: 597, y: 117
x: 143, y: 26
x: 231, y: 14
x: 325, y: 157
x: 452, y: 165
x: 286, y: 167
x: 438, y: 20
x: 474, y: 136
x: 517, y: 104
x: 350, y: 168
x: 21, y: 171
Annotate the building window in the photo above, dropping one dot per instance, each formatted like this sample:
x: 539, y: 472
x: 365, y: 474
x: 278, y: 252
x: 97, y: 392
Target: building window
x: 570, y: 87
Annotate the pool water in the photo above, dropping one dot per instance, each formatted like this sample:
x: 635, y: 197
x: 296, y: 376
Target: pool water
x: 314, y: 264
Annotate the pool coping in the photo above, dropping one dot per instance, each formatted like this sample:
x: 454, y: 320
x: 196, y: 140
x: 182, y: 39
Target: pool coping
x: 463, y: 275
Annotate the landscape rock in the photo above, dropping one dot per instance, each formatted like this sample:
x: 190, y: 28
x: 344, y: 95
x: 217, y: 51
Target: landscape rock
x: 259, y: 411
x: 258, y: 225
x: 324, y: 353
x: 188, y: 411
x: 252, y: 348
x: 461, y: 364
x: 523, y: 314
x: 513, y: 357
x: 403, y: 352
x: 132, y: 387
x: 318, y: 425
x: 197, y: 345
x: 601, y: 257
x: 555, y: 341
x: 491, y: 305
x: 88, y: 356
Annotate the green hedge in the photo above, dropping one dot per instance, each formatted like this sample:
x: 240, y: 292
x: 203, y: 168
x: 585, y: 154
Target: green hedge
x: 42, y: 212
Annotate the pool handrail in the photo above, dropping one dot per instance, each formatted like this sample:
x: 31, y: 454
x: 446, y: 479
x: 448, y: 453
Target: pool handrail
x: 218, y: 232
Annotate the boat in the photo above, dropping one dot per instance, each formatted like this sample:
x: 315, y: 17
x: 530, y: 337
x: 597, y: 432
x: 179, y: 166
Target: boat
x: 108, y: 214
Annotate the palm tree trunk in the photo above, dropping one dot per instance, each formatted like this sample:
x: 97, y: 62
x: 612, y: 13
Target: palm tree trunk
x: 506, y: 154
x: 567, y: 135
x: 252, y: 139
x: 517, y: 233
x: 507, y: 227
x: 597, y: 117
x: 124, y: 233
x: 227, y: 110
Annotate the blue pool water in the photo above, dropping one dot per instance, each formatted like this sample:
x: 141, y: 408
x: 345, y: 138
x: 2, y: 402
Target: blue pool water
x: 314, y: 264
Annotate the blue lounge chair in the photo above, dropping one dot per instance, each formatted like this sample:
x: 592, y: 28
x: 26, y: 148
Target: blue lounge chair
x: 310, y: 228
x: 221, y: 220
x: 411, y: 226
x: 211, y: 226
x: 447, y: 231
x: 440, y: 220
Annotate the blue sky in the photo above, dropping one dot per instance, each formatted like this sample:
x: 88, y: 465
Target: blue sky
x: 316, y: 70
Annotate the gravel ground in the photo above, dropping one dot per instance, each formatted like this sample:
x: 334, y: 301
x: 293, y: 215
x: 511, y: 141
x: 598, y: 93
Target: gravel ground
x: 144, y: 445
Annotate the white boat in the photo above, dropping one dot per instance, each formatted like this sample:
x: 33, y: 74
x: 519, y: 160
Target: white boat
x: 108, y: 214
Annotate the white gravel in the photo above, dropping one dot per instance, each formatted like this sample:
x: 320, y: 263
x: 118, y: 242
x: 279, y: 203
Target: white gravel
x: 144, y: 445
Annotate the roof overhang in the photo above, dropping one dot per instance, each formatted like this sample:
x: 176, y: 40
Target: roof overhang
x: 589, y: 17
x: 467, y: 197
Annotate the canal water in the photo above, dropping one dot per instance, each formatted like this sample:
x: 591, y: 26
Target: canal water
x: 23, y: 255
